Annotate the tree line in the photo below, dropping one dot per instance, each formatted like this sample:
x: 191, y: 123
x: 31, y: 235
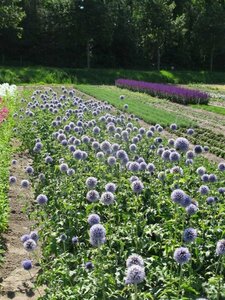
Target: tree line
x: 151, y: 34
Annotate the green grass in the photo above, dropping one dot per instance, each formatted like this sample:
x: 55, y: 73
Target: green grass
x: 140, y: 104
x: 215, y: 109
x: 43, y: 75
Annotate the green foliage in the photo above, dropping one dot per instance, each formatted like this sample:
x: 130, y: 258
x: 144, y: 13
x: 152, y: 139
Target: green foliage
x: 149, y: 224
x: 22, y: 75
x: 140, y: 104
x: 11, y: 14
x: 216, y: 109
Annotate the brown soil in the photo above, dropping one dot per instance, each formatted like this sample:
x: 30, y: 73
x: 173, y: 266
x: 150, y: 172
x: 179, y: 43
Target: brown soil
x: 16, y: 283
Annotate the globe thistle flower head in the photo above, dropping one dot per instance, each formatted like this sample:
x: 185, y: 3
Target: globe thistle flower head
x: 48, y: 159
x: 111, y: 160
x: 135, y: 274
x: 97, y: 235
x: 110, y: 187
x: 25, y: 184
x: 182, y: 255
x: 174, y: 156
x: 78, y: 154
x: 189, y: 235
x: 221, y: 167
x: 143, y: 166
x: 107, y: 198
x: 75, y: 240
x: 173, y: 126
x: 93, y: 219
x: 210, y: 200
x: 12, y: 180
x: 204, y: 190
x: 30, y: 245
x: 24, y: 238
x: 205, y: 178
x: 29, y: 170
x: 125, y: 106
x: 221, y: 190
x: 100, y: 155
x: 14, y: 162
x: 176, y: 170
x: 89, y: 266
x: 135, y: 259
x: 166, y: 155
x: 191, y: 209
x: 190, y: 131
x: 27, y: 264
x: 41, y: 177
x: 186, y: 201
x: 212, y: 178
x: 220, y: 247
x: 150, y: 167
x: 133, y: 178
x: 63, y: 167
x: 198, y: 149
x: 149, y: 134
x: 92, y: 196
x: 134, y: 166
x: 34, y: 236
x: 181, y: 144
x: 132, y: 147
x: 122, y: 97
x: 190, y: 154
x: 70, y: 172
x: 42, y: 199
x: 178, y: 196
x: 137, y: 186
x: 91, y: 182
x: 171, y: 142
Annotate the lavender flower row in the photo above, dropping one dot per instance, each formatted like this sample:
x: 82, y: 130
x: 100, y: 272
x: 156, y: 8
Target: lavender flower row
x: 171, y: 92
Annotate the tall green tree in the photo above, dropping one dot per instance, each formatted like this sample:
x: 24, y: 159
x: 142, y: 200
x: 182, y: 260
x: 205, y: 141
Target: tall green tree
x: 11, y: 14
x: 156, y: 23
x: 209, y: 28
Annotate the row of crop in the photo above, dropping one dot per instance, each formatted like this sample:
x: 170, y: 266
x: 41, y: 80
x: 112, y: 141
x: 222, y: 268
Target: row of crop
x: 149, y: 196
x: 205, y: 137
x: 171, y: 92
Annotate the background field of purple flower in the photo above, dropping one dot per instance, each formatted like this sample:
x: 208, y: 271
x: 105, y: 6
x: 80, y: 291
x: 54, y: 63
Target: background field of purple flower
x: 171, y: 92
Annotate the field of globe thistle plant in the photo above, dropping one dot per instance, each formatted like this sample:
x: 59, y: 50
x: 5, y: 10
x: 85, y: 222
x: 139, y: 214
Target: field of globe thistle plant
x: 121, y: 212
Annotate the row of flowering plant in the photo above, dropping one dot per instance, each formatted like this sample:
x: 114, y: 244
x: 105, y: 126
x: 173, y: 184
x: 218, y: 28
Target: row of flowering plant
x: 171, y: 92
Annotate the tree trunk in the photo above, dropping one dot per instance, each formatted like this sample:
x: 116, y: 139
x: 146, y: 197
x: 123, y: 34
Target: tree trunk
x: 158, y: 58
x: 88, y: 54
x: 211, y: 59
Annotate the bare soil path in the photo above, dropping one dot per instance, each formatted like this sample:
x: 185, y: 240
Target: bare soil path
x: 16, y: 283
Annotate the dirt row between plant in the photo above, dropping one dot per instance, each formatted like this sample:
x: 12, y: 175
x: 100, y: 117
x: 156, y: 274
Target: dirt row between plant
x: 16, y: 283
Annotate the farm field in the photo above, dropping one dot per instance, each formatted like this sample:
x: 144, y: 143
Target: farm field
x: 124, y: 208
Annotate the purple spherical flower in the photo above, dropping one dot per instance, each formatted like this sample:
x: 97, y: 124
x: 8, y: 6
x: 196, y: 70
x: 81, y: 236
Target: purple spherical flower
x: 221, y: 190
x: 78, y: 154
x: 221, y: 166
x: 92, y: 196
x: 63, y: 167
x: 93, y: 219
x: 150, y: 167
x: 135, y: 274
x: 181, y: 144
x: 97, y: 235
x: 24, y: 238
x: 70, y: 172
x: 205, y: 178
x: 12, y: 179
x: 42, y: 199
x: 91, y: 182
x: 27, y: 264
x: 134, y: 166
x: 198, y: 149
x: 74, y: 240
x: 137, y: 186
x: 166, y: 155
x: 111, y: 160
x: 173, y: 126
x: 135, y: 259
x: 34, y: 236
x: 212, y: 178
x: 29, y: 170
x: 201, y: 171
x: 30, y: 245
x: 220, y: 247
x: 89, y: 266
x: 204, y: 190
x: 25, y: 184
x: 182, y: 255
x: 178, y: 196
x: 110, y: 187
x: 190, y: 235
x: 191, y: 209
x: 210, y: 200
x: 190, y: 131
x: 107, y: 198
x: 174, y: 156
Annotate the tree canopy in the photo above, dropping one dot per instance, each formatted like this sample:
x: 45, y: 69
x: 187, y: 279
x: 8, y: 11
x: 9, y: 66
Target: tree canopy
x: 114, y: 33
